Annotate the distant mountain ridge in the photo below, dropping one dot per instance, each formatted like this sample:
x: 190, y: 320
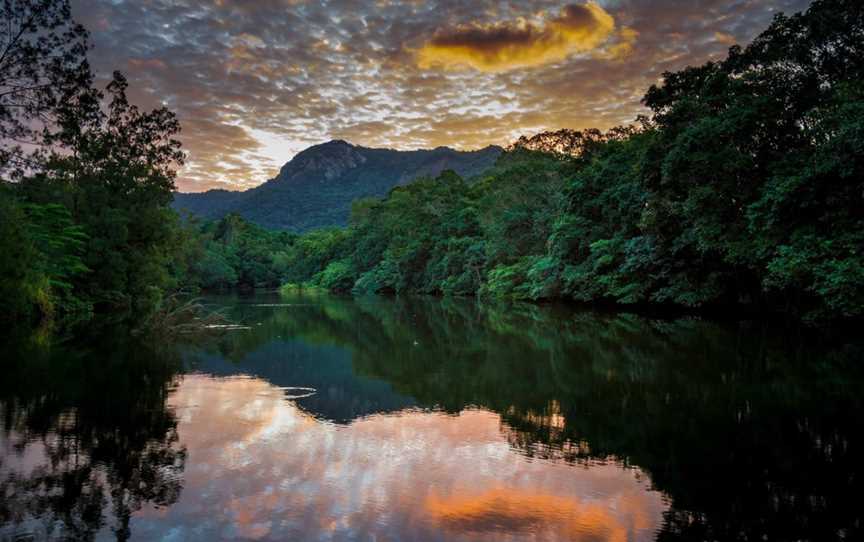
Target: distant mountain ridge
x: 315, y: 189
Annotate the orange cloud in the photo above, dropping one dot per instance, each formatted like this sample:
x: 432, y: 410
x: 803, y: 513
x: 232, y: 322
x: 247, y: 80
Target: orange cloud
x: 725, y: 38
x: 250, y: 95
x: 624, y: 47
x: 506, y: 45
x: 146, y: 64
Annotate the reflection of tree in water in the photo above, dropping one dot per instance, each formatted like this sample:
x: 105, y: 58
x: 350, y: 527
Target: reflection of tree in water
x: 95, y: 418
x: 750, y: 432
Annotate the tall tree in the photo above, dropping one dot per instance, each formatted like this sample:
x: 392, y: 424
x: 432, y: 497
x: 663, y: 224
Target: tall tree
x: 43, y: 63
x: 116, y: 178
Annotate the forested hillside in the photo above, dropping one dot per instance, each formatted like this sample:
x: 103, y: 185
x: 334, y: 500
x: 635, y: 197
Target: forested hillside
x: 744, y: 186
x: 315, y: 189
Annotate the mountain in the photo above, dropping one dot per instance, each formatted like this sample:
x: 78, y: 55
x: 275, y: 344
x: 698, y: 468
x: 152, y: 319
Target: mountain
x: 316, y: 188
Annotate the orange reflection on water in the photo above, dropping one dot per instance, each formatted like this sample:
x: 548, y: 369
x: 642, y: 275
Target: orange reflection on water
x: 516, y: 511
x: 261, y: 468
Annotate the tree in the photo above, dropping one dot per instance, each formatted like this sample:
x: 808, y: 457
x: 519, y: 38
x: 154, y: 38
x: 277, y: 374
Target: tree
x: 22, y: 288
x: 116, y: 176
x: 564, y: 143
x: 754, y: 183
x: 744, y: 188
x: 93, y: 174
x: 43, y: 64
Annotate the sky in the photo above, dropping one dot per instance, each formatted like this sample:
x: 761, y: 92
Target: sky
x: 253, y: 82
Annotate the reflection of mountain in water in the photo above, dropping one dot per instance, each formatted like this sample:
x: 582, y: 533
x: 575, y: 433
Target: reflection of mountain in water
x: 341, y: 395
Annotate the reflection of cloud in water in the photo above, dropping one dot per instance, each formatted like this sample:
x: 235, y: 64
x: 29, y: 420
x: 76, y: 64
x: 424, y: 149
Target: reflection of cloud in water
x: 260, y: 468
x: 518, y: 511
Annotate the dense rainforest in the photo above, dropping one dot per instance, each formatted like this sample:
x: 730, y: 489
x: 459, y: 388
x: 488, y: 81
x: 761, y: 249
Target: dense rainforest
x: 87, y: 177
x: 744, y: 186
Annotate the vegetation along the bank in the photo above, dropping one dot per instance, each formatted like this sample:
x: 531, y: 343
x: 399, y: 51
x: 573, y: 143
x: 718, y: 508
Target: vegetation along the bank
x: 744, y: 186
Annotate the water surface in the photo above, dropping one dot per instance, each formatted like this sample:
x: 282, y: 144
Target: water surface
x: 427, y: 419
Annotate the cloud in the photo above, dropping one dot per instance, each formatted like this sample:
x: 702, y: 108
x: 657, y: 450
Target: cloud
x: 624, y: 46
x: 503, y: 46
x: 255, y: 81
x: 724, y: 38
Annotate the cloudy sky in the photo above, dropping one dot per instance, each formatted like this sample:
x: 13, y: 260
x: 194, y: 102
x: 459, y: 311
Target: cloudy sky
x: 255, y: 81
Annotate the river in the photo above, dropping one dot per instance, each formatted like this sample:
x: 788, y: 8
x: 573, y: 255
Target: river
x: 325, y: 418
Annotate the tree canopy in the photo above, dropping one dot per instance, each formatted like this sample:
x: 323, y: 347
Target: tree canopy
x: 43, y: 64
x: 87, y: 176
x: 743, y: 187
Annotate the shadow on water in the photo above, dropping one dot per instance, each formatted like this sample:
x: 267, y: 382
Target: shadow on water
x: 749, y: 432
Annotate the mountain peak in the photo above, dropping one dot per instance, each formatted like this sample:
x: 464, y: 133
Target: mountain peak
x: 330, y: 145
x: 327, y: 160
x: 315, y: 189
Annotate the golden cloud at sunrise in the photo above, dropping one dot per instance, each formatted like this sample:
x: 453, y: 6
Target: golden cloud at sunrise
x: 501, y: 46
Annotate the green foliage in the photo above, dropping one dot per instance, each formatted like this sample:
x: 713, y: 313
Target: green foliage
x: 233, y: 253
x: 108, y: 201
x: 508, y: 281
x: 47, y: 248
x: 744, y: 187
x: 338, y: 276
x: 60, y: 243
x: 310, y: 254
x: 23, y: 289
x: 316, y: 188
x: 87, y: 222
x: 240, y: 253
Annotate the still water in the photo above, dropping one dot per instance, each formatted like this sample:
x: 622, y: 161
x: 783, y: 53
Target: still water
x: 427, y: 419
